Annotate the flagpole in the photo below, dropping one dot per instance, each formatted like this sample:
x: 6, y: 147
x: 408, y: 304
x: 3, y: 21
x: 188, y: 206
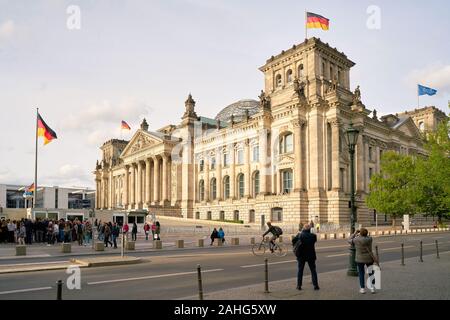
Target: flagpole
x: 418, y: 97
x: 36, y: 162
x: 306, y: 24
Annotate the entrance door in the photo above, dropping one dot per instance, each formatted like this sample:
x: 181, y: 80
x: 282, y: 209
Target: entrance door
x: 119, y: 219
x: 140, y: 221
x: 263, y: 222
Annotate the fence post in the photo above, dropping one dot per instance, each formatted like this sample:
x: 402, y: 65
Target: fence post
x: 403, y: 255
x: 266, y: 275
x: 59, y: 290
x: 437, y: 250
x: 421, y: 251
x: 200, y: 285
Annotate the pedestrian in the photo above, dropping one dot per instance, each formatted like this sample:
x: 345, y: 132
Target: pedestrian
x: 80, y: 228
x: 153, y: 230
x: 318, y: 227
x: 87, y: 232
x: 115, y: 234
x: 126, y: 228
x: 21, y: 234
x: 134, y: 231
x: 157, y: 230
x: 67, y: 232
x: 29, y: 231
x: 214, y: 235
x: 221, y: 235
x: 300, y: 226
x: 146, y: 230
x: 49, y: 234
x: 107, y: 234
x: 3, y: 231
x: 11, y: 230
x: 364, y: 256
x: 62, y: 224
x: 55, y: 232
x: 304, y: 249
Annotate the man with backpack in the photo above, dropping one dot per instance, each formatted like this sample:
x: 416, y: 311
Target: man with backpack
x: 304, y: 250
x: 276, y: 233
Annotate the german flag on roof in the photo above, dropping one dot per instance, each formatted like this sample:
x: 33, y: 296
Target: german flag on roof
x: 316, y: 21
x: 45, y: 131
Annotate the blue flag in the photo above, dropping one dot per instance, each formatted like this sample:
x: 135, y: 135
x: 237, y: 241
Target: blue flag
x: 426, y: 91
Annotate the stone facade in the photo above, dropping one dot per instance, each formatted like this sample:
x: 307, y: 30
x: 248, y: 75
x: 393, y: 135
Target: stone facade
x: 283, y: 158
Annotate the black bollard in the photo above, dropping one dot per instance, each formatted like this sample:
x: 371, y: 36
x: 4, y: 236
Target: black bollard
x: 200, y: 285
x: 266, y: 276
x: 378, y: 256
x: 437, y: 250
x: 59, y: 290
x: 403, y: 254
x: 421, y: 252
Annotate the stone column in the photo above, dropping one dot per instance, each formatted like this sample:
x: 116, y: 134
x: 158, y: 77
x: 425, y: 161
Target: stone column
x: 263, y: 161
x: 317, y: 153
x: 335, y: 185
x: 297, y: 124
x: 139, y: 185
x: 207, y: 182
x: 232, y: 154
x: 147, y: 181
x: 247, y: 173
x: 126, y: 190
x: 97, y: 194
x: 219, y: 175
x: 156, y: 180
x: 359, y: 161
x: 133, y: 186
x: 164, y: 178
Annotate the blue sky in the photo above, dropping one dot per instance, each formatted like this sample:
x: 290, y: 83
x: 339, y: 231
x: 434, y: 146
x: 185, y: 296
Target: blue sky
x: 132, y: 59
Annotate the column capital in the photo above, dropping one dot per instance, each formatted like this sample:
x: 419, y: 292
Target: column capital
x: 298, y: 123
x: 336, y: 123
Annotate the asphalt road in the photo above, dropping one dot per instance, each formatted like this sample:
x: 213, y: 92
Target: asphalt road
x: 173, y: 275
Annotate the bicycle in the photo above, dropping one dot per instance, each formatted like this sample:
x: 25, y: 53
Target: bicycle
x: 259, y: 249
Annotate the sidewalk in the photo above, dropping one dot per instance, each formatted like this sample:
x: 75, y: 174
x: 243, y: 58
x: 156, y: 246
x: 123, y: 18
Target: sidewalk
x: 429, y: 280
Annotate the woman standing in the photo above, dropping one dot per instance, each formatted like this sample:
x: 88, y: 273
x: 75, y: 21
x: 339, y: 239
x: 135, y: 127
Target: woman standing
x: 87, y: 233
x: 107, y: 234
x: 214, y: 235
x: 157, y: 230
x: 364, y: 256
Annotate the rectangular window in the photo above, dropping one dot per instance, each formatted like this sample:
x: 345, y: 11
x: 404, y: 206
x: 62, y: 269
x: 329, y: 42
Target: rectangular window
x: 140, y: 219
x: 226, y: 160
x: 240, y: 156
x: 251, y: 216
x: 287, y: 181
x: 56, y: 198
x: 213, y: 163
x: 256, y: 154
x: 202, y: 165
x: 289, y: 143
x: 209, y: 215
x: 370, y: 154
x: 222, y: 215
x: 341, y: 179
x: 370, y: 174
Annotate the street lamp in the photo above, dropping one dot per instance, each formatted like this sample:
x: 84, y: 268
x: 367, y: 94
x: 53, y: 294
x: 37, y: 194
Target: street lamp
x: 352, y: 139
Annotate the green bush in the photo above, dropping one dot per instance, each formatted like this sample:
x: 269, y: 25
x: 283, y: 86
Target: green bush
x: 231, y: 221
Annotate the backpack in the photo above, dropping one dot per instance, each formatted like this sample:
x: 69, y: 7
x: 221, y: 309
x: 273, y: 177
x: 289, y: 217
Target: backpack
x: 278, y: 230
x: 296, y: 243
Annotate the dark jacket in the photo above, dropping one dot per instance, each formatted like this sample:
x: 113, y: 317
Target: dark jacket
x: 306, y: 250
x: 214, y: 234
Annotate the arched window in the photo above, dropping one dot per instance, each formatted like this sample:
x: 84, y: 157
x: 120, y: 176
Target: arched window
x: 222, y: 216
x: 240, y: 181
x: 201, y: 190
x: 289, y: 76
x: 421, y: 126
x: 255, y: 184
x: 251, y: 216
x: 301, y: 71
x: 226, y: 187
x: 236, y: 215
x: 202, y: 164
x: 213, y: 189
x: 278, y: 81
x: 286, y: 143
x: 287, y: 181
x: 213, y: 163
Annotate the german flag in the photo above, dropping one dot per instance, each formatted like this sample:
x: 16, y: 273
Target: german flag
x: 30, y: 188
x: 45, y: 131
x: 125, y: 125
x: 316, y: 21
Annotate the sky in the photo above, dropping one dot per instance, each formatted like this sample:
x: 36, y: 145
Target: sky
x: 130, y: 59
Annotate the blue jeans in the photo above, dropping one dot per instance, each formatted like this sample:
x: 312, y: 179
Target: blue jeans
x: 362, y: 273
x: 61, y: 235
x: 312, y: 267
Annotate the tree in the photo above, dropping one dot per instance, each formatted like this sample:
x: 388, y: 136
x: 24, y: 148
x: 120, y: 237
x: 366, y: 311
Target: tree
x: 393, y: 191
x: 433, y: 175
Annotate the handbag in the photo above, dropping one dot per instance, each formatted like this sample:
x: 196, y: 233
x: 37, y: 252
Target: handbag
x: 375, y: 259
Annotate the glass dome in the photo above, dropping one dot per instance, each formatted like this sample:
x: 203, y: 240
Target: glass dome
x: 238, y: 110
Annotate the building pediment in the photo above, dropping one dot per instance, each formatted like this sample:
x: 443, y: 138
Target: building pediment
x: 285, y: 161
x: 409, y: 128
x: 140, y: 141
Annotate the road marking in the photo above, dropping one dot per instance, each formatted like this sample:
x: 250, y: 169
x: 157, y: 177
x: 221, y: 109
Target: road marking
x: 398, y: 248
x: 270, y: 263
x: 438, y: 237
x: 332, y: 247
x: 384, y: 242
x: 25, y: 290
x: 153, y: 277
x: 338, y: 255
x: 24, y: 257
x: 34, y: 263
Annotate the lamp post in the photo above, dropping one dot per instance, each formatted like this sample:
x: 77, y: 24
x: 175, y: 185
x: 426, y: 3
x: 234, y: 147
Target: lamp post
x: 352, y: 139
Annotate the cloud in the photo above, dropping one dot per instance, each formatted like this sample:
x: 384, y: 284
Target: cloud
x: 436, y: 76
x: 7, y: 29
x: 106, y: 114
x: 68, y: 175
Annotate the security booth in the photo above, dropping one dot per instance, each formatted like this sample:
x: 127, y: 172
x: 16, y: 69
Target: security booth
x: 119, y: 218
x: 43, y: 214
x: 139, y: 217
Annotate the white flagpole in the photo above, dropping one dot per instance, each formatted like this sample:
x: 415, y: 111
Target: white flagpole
x: 306, y: 24
x: 36, y: 162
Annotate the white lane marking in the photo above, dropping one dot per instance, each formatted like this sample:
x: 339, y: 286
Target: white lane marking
x: 332, y: 247
x: 153, y: 277
x: 270, y: 263
x: 25, y: 257
x: 338, y: 255
x: 25, y: 290
x: 384, y: 242
x: 438, y: 237
x: 397, y: 248
x: 34, y: 263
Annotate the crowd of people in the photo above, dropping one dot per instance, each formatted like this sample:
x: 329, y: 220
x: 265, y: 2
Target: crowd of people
x: 26, y: 231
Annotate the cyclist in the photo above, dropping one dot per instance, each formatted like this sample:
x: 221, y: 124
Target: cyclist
x: 276, y: 233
